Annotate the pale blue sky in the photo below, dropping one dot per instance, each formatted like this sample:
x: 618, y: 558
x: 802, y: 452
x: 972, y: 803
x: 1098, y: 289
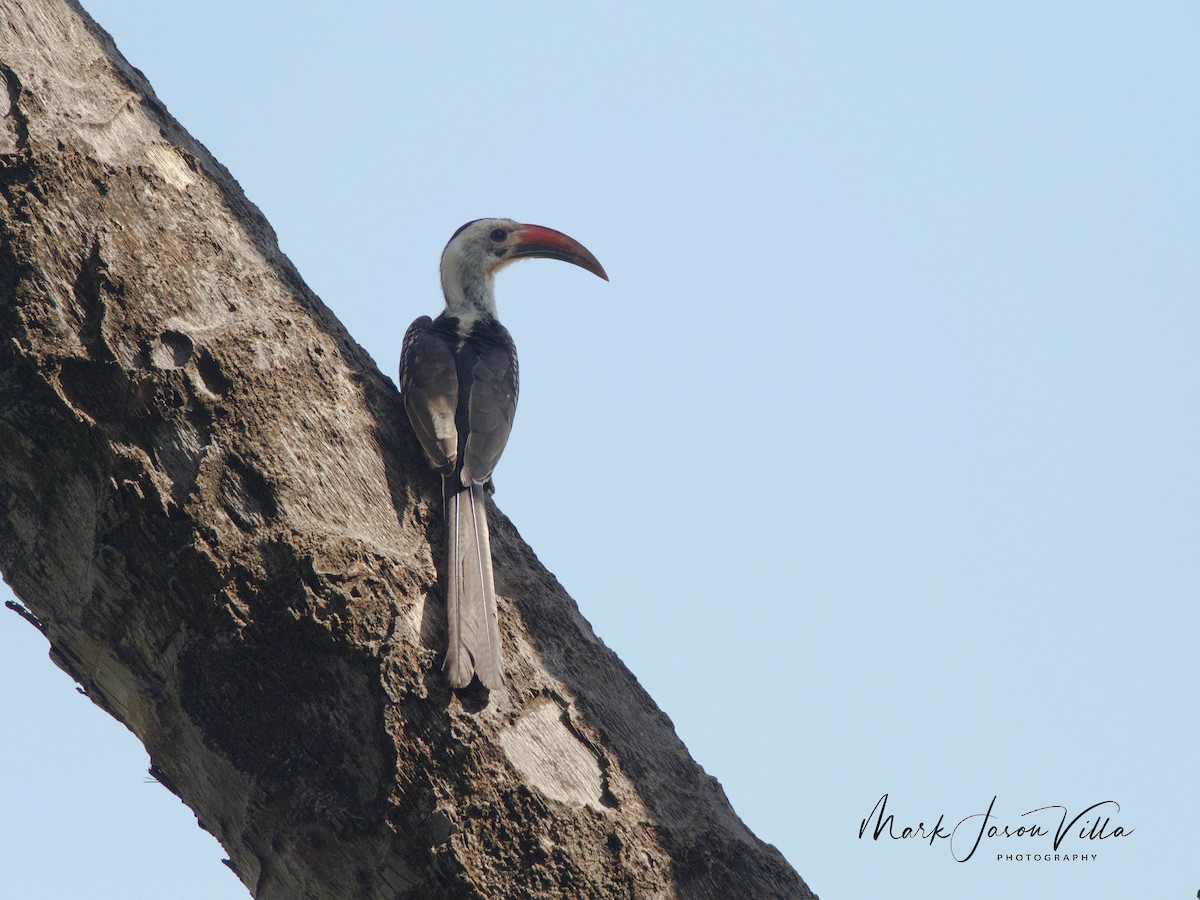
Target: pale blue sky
x: 877, y: 460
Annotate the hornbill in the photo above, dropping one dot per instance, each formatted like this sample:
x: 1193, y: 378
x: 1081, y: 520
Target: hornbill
x: 458, y: 379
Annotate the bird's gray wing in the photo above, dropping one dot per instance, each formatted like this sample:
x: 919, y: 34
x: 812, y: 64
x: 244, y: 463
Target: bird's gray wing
x: 490, y: 407
x: 429, y: 387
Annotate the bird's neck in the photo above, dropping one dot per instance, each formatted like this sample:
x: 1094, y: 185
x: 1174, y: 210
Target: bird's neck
x: 470, y: 296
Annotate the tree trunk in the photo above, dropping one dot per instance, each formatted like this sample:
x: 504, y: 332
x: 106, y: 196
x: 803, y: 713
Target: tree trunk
x: 211, y: 503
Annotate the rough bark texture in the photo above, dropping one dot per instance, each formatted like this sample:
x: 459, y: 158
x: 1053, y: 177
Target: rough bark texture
x: 210, y: 500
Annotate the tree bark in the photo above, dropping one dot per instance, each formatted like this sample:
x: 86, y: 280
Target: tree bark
x: 212, y: 504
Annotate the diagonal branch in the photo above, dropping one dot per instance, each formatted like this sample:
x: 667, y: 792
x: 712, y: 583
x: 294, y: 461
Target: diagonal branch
x: 210, y: 502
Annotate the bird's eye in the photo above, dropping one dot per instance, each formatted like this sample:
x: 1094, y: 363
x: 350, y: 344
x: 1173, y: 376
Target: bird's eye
x: 498, y: 234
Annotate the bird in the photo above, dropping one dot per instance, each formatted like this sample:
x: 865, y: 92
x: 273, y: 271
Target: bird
x: 459, y: 386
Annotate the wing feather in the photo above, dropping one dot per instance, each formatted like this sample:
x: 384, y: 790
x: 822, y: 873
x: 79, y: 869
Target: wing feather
x: 491, y: 408
x: 429, y: 387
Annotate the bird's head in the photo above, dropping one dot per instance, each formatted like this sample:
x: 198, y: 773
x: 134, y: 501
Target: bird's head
x: 481, y: 248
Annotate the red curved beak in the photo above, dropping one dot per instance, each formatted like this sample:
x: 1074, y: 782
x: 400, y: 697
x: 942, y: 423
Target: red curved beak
x: 546, y: 243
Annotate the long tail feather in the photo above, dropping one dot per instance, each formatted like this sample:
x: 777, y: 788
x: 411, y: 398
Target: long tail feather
x: 474, y: 629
